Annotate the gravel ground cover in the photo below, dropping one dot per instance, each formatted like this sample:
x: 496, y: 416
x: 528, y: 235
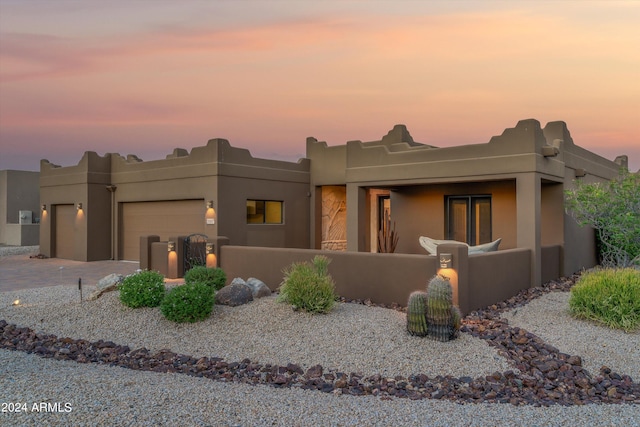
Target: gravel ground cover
x: 523, y: 362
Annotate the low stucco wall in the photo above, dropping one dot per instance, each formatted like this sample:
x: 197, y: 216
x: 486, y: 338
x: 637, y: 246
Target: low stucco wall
x: 22, y: 234
x: 497, y: 276
x: 382, y: 278
x: 389, y: 278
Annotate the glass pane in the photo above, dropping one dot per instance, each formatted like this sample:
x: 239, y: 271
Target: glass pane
x: 255, y: 212
x: 273, y: 212
x: 458, y: 220
x: 482, y: 221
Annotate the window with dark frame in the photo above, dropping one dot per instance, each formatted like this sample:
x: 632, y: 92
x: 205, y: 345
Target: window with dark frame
x: 265, y: 211
x: 468, y: 219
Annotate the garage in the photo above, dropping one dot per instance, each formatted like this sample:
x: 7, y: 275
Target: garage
x: 162, y: 218
x: 65, y: 231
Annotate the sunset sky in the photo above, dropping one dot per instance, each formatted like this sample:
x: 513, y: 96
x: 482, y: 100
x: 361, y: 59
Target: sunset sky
x: 146, y: 76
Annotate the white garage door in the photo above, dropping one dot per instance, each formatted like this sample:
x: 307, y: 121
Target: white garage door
x: 165, y: 219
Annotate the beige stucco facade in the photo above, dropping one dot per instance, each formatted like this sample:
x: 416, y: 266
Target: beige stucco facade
x: 19, y: 208
x: 332, y: 198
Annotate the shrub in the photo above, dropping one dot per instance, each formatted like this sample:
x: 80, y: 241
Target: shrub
x: 143, y: 289
x: 191, y: 302
x: 308, y: 286
x: 608, y: 296
x: 613, y: 210
x: 213, y: 277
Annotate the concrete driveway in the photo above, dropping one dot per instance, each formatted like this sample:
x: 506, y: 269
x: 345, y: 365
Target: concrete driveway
x: 22, y: 272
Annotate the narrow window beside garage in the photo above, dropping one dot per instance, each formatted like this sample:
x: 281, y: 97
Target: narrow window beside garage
x: 265, y: 212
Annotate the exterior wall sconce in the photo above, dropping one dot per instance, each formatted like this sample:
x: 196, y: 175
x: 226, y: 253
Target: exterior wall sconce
x: 209, y: 248
x: 44, y: 207
x: 445, y: 260
x: 580, y: 173
x: 79, y: 206
x: 171, y: 246
x: 210, y: 204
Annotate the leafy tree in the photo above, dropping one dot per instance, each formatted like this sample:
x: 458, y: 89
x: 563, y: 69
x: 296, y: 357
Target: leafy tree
x: 613, y: 210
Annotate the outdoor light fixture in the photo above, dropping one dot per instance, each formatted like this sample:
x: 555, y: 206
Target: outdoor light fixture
x: 580, y: 173
x: 171, y: 246
x: 209, y: 248
x: 79, y: 206
x: 445, y: 260
x: 210, y: 204
x: 16, y: 302
x: 44, y: 207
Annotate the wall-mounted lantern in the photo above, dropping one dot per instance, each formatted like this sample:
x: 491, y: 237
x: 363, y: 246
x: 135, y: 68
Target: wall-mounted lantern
x: 210, y: 215
x: 79, y: 206
x: 580, y: 173
x: 171, y: 246
x: 44, y: 207
x: 209, y: 248
x: 446, y: 260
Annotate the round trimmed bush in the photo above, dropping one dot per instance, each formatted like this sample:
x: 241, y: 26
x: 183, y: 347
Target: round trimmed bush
x: 608, y: 296
x: 190, y: 302
x: 143, y: 289
x: 213, y: 277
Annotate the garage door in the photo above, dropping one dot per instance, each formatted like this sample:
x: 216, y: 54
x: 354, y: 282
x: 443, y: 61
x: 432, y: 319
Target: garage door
x: 165, y: 219
x: 64, y: 229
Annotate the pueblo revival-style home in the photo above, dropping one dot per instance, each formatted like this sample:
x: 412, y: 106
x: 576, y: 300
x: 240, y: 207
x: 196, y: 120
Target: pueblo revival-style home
x: 337, y: 198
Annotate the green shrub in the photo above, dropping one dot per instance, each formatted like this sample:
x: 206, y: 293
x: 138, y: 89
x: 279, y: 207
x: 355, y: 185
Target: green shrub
x: 191, y: 302
x: 608, y: 296
x: 213, y: 277
x: 143, y: 289
x: 308, y: 286
x: 613, y: 210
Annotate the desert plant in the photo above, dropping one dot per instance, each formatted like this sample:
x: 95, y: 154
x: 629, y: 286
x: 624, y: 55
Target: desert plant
x: 142, y: 289
x: 608, y: 296
x: 213, y: 277
x: 443, y: 318
x: 613, y: 210
x: 416, y: 314
x: 387, y: 236
x: 190, y: 302
x: 308, y: 286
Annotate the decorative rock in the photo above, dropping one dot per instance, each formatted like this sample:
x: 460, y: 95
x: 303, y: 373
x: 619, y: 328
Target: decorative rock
x: 106, y: 284
x: 238, y: 281
x: 234, y: 295
x: 258, y: 288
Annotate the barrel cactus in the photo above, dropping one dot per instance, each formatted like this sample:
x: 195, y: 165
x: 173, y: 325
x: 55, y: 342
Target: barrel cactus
x: 443, y: 318
x: 416, y: 314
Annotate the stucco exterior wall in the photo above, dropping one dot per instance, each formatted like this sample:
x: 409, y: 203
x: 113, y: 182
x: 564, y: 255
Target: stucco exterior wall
x: 225, y: 175
x: 19, y: 191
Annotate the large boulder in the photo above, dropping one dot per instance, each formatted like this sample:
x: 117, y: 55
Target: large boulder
x: 106, y: 284
x: 234, y: 294
x: 258, y: 288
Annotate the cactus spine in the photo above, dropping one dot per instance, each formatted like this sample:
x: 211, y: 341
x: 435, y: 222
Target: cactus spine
x: 416, y: 314
x: 443, y: 318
